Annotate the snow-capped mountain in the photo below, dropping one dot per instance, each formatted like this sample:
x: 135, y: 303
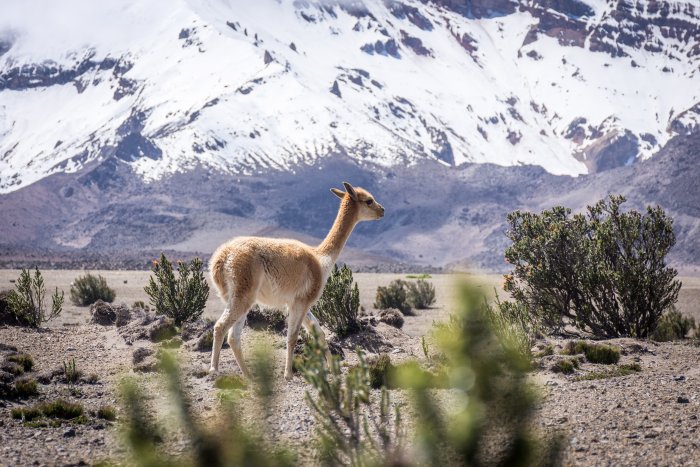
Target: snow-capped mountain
x: 234, y: 86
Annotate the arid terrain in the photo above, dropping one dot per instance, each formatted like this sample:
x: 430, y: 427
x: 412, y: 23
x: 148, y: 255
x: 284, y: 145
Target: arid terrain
x: 647, y: 418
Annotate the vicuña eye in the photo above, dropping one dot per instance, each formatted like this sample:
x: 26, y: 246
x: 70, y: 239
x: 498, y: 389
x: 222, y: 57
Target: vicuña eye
x: 369, y: 202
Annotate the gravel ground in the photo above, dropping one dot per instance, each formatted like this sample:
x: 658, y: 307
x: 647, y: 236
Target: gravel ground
x: 630, y: 420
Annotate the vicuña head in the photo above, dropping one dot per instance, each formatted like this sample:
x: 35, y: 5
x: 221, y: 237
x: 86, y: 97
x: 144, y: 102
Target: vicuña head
x: 282, y: 273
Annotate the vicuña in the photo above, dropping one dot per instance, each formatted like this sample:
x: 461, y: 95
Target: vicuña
x: 281, y: 273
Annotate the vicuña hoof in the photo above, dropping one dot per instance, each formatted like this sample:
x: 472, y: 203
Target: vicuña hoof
x: 288, y: 376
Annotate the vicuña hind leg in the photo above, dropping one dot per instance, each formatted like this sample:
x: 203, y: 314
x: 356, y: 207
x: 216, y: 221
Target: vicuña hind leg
x: 234, y: 340
x: 310, y: 322
x: 236, y: 309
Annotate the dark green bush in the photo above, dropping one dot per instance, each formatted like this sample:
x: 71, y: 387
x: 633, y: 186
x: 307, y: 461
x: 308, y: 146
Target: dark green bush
x: 393, y: 296
x: 27, y: 414
x: 603, y: 272
x: 420, y: 294
x: 182, y: 299
x: 27, y: 301
x: 86, y: 290
x: 339, y: 305
x: 24, y: 360
x: 673, y: 326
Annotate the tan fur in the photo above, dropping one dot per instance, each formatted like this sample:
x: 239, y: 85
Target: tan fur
x: 281, y: 273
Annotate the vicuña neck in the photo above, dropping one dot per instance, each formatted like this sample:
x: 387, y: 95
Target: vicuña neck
x: 345, y: 221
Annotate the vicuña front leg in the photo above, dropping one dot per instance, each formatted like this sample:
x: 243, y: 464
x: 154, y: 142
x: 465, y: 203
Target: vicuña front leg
x: 294, y: 320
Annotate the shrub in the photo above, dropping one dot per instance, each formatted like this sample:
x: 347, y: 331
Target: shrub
x: 87, y: 289
x: 673, y: 326
x: 107, y: 412
x: 24, y: 360
x: 566, y: 366
x: 183, y: 299
x: 379, y: 371
x: 545, y: 352
x: 141, y: 305
x: 27, y: 303
x: 420, y: 294
x: 61, y: 409
x: 269, y: 319
x: 595, y: 353
x: 393, y: 296
x: 57, y: 409
x: 13, y: 368
x: 71, y: 372
x: 27, y: 414
x: 606, y: 354
x: 603, y: 272
x: 92, y: 378
x: 26, y: 387
x: 343, y: 408
x: 339, y: 305
x: 513, y: 326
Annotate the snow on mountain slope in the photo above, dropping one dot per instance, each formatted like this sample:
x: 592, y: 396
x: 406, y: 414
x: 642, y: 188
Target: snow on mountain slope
x: 245, y: 87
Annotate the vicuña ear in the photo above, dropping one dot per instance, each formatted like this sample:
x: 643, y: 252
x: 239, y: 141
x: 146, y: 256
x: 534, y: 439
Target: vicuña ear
x: 338, y: 193
x: 350, y: 190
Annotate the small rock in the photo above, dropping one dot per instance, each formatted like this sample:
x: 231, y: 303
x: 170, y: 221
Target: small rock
x: 69, y: 433
x: 679, y: 378
x: 102, y: 313
x: 392, y: 317
x: 683, y: 400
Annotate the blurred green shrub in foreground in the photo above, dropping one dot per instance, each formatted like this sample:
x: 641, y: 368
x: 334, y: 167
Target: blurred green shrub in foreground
x: 485, y: 416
